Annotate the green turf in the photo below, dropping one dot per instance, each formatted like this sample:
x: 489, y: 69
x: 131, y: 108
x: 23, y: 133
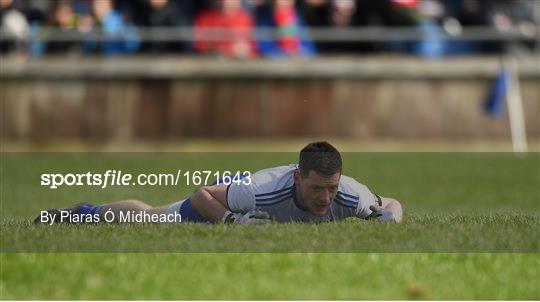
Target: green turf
x: 453, y: 203
x: 270, y: 276
x: 419, y: 233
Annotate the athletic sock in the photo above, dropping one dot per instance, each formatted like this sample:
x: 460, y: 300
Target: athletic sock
x: 88, y: 209
x: 188, y: 213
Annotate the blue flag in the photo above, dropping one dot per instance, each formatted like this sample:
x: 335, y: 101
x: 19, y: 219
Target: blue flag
x: 494, y: 104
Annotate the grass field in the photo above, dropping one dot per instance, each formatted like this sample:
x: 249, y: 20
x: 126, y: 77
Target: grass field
x: 471, y: 231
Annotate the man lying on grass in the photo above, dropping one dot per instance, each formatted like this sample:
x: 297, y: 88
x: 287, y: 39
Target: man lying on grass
x: 312, y: 191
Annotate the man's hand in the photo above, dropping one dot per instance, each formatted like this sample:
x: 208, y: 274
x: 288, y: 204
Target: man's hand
x: 251, y: 217
x: 381, y: 214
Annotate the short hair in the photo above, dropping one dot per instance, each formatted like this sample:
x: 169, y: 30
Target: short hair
x: 321, y: 157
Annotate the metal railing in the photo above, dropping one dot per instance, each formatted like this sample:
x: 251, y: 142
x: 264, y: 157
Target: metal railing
x: 318, y: 34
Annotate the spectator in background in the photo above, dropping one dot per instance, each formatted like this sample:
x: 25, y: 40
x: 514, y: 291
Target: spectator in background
x: 517, y: 16
x: 424, y: 16
x: 37, y: 11
x: 463, y: 13
x: 433, y: 45
x: 342, y: 12
x: 345, y: 13
x: 230, y: 28
x: 316, y: 13
x: 119, y: 36
x: 468, y: 12
x: 13, y: 24
x: 360, y: 13
x: 158, y: 14
x: 64, y: 21
x: 292, y: 39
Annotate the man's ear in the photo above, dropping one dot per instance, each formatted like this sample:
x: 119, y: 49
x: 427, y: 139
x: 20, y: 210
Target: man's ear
x: 296, y: 176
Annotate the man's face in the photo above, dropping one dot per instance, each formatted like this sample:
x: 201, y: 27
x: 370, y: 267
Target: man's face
x: 316, y: 191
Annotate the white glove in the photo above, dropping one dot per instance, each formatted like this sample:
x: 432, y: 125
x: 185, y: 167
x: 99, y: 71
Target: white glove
x: 381, y: 214
x: 251, y: 217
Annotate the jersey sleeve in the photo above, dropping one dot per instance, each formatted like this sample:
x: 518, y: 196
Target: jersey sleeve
x: 363, y: 210
x: 240, y: 197
x: 366, y: 197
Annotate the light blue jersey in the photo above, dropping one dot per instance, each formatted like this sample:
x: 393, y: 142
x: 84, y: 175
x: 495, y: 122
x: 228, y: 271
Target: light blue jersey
x: 273, y: 190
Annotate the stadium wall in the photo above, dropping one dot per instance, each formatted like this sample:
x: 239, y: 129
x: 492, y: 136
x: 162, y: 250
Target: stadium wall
x: 172, y: 98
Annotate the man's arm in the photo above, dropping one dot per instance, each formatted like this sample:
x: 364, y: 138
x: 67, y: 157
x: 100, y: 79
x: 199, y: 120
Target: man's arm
x: 394, y: 207
x: 211, y: 202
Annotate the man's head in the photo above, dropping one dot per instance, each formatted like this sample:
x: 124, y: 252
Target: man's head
x: 317, y: 177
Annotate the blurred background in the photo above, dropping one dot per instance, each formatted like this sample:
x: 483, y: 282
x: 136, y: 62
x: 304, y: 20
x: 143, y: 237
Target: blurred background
x: 368, y: 74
